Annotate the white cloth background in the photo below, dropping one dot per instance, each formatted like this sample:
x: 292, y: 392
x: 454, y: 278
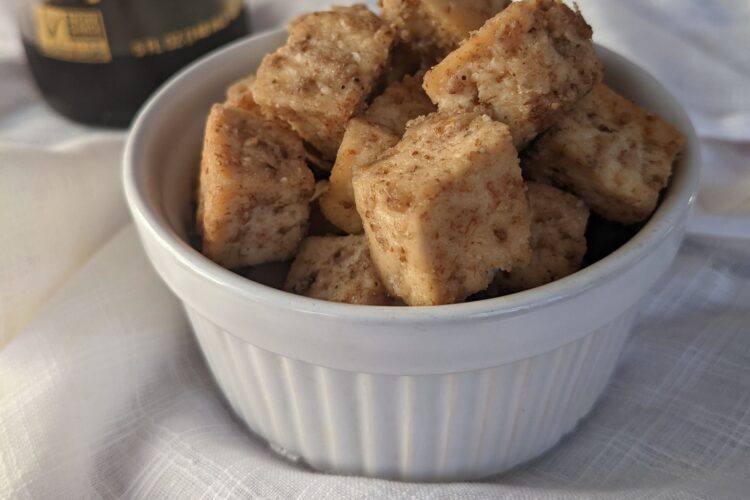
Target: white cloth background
x: 104, y: 394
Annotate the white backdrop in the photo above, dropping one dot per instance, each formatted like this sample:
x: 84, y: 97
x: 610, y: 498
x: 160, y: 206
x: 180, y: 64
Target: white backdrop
x: 103, y: 393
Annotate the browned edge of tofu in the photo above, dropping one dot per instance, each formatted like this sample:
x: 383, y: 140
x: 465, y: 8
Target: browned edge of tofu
x: 323, y: 74
x: 526, y: 67
x: 399, y: 103
x: 254, y: 189
x: 336, y: 268
x: 610, y: 152
x: 364, y: 142
x: 366, y: 138
x: 445, y: 208
x: 558, y: 240
x: 434, y: 28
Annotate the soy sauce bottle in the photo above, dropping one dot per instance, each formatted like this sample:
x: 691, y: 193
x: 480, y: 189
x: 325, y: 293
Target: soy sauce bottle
x: 97, y: 61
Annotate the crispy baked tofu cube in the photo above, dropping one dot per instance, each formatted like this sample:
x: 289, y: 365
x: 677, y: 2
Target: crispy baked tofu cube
x: 558, y: 240
x: 363, y: 143
x: 610, y: 152
x: 336, y: 268
x: 400, y: 102
x: 365, y: 140
x: 324, y: 73
x: 254, y: 189
x: 436, y: 27
x: 445, y: 208
x: 240, y: 94
x: 525, y: 67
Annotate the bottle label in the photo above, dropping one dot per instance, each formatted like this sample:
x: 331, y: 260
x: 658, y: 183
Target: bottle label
x: 187, y: 35
x: 72, y: 34
x: 97, y: 29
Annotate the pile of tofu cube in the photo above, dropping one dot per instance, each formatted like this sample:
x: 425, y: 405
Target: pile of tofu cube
x: 424, y: 155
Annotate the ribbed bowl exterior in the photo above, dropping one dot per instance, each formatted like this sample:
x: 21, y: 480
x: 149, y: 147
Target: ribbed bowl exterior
x: 428, y: 427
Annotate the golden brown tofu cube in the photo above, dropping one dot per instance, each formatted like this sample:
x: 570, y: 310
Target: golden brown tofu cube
x: 445, y: 208
x: 436, y: 27
x: 610, y: 152
x: 324, y: 73
x: 558, y: 240
x: 336, y: 268
x: 240, y: 94
x: 526, y: 67
x: 254, y: 189
x: 363, y: 143
x: 365, y: 140
x: 400, y: 102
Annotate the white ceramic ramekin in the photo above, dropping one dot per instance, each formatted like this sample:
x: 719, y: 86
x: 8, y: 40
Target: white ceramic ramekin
x: 430, y: 393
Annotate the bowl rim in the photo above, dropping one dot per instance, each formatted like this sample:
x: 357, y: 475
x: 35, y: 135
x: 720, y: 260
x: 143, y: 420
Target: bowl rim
x: 679, y: 196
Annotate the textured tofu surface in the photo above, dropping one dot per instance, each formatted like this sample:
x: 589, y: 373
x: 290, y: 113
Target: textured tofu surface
x: 526, y: 67
x: 324, y: 73
x: 336, y: 268
x: 240, y: 94
x: 610, y: 152
x: 363, y: 143
x: 400, y: 102
x: 436, y: 27
x: 558, y: 240
x: 445, y: 208
x: 254, y: 189
x: 365, y: 139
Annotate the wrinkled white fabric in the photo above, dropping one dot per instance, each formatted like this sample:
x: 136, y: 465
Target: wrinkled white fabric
x: 104, y: 393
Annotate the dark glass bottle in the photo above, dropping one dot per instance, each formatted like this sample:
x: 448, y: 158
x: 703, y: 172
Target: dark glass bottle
x: 97, y: 61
